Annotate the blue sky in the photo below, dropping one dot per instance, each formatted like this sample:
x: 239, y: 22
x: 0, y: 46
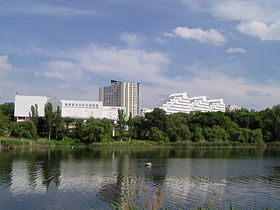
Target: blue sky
x: 219, y: 48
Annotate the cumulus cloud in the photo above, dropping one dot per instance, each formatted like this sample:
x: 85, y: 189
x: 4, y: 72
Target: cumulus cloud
x: 239, y: 10
x: 149, y: 68
x: 236, y: 50
x: 5, y: 64
x: 133, y: 64
x: 261, y: 30
x: 258, y: 18
x: 132, y: 40
x: 212, y: 36
x: 61, y: 70
x: 160, y: 40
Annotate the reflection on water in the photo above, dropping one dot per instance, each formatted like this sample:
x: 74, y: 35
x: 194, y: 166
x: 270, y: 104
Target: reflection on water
x: 89, y: 178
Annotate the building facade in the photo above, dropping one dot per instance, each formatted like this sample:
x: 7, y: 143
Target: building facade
x: 70, y: 109
x: 180, y: 102
x: 122, y: 94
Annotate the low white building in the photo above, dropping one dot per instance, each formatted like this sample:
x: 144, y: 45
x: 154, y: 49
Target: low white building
x: 233, y: 108
x: 180, y: 102
x: 23, y: 106
x: 70, y: 109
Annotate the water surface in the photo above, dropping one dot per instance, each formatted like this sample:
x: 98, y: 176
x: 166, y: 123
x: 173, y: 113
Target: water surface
x: 101, y: 178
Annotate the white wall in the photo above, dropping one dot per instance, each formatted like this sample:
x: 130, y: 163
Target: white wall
x: 23, y: 105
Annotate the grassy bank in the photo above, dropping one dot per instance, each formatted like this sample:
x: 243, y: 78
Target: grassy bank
x: 119, y: 144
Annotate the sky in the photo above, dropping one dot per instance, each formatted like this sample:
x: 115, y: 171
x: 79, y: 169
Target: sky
x: 226, y: 49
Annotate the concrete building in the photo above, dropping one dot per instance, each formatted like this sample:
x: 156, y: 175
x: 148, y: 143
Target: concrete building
x: 23, y: 106
x: 233, y: 108
x: 70, y: 109
x: 180, y: 102
x: 121, y: 94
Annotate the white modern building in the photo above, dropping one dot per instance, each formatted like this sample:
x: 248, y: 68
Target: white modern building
x: 180, y: 102
x: 121, y: 94
x: 233, y: 108
x: 70, y: 109
x: 23, y: 106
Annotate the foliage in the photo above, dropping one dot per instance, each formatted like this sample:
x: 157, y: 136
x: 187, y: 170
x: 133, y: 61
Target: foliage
x: 197, y: 133
x: 34, y: 114
x: 121, y: 122
x: 8, y: 110
x: 24, y: 129
x: 4, y: 124
x: 157, y: 135
x: 49, y: 119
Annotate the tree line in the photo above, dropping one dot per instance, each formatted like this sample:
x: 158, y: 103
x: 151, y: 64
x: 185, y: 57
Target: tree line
x: 242, y: 126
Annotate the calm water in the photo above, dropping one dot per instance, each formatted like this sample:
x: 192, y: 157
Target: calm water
x: 96, y: 179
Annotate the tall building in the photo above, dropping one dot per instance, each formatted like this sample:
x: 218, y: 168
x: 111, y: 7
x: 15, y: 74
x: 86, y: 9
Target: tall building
x: 122, y: 94
x: 180, y: 102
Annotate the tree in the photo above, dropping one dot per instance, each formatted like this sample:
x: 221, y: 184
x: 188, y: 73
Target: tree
x: 34, y: 114
x: 121, y: 122
x: 157, y: 135
x: 157, y: 118
x: 79, y: 130
x: 49, y: 119
x: 4, y: 124
x: 59, y: 124
x: 24, y: 129
x: 197, y: 133
x: 8, y: 110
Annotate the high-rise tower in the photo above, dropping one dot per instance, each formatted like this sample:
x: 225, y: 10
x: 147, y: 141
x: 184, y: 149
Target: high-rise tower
x: 123, y: 94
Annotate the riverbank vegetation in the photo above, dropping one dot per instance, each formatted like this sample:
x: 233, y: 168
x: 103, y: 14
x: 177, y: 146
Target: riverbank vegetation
x: 237, y: 128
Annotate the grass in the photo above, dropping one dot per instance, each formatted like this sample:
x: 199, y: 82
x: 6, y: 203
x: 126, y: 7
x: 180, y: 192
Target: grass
x: 15, y: 142
x: 69, y: 142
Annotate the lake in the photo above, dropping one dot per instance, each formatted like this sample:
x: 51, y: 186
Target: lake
x: 43, y: 178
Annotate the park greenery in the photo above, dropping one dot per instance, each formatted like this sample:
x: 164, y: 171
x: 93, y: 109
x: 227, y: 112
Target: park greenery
x: 242, y: 127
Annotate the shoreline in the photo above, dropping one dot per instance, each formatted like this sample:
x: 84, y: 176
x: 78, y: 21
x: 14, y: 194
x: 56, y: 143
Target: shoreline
x: 8, y: 144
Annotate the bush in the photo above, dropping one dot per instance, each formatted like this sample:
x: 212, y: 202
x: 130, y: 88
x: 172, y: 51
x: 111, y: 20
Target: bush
x: 158, y: 135
x: 24, y: 129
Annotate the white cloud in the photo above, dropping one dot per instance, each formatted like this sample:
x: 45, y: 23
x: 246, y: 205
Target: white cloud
x: 36, y: 8
x: 5, y: 64
x: 167, y: 34
x: 132, y: 40
x: 261, y: 30
x: 77, y: 65
x: 132, y: 64
x: 62, y: 70
x: 258, y: 18
x: 160, y: 40
x: 238, y: 10
x: 212, y: 36
x: 236, y: 50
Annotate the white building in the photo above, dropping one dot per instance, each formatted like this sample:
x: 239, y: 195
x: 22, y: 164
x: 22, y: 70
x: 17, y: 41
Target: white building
x: 23, y: 106
x: 180, y: 102
x: 70, y: 109
x: 233, y: 108
x: 121, y: 94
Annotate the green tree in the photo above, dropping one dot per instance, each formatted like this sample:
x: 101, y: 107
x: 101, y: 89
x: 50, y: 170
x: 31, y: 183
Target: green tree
x: 8, y: 110
x: 34, y: 114
x: 24, y: 129
x: 157, y: 135
x: 79, y: 130
x: 59, y: 124
x: 97, y: 130
x: 4, y: 124
x: 197, y: 134
x: 49, y: 119
x: 121, y: 122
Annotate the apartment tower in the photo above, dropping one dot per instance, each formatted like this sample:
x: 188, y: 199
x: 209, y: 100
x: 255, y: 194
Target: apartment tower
x: 123, y: 94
